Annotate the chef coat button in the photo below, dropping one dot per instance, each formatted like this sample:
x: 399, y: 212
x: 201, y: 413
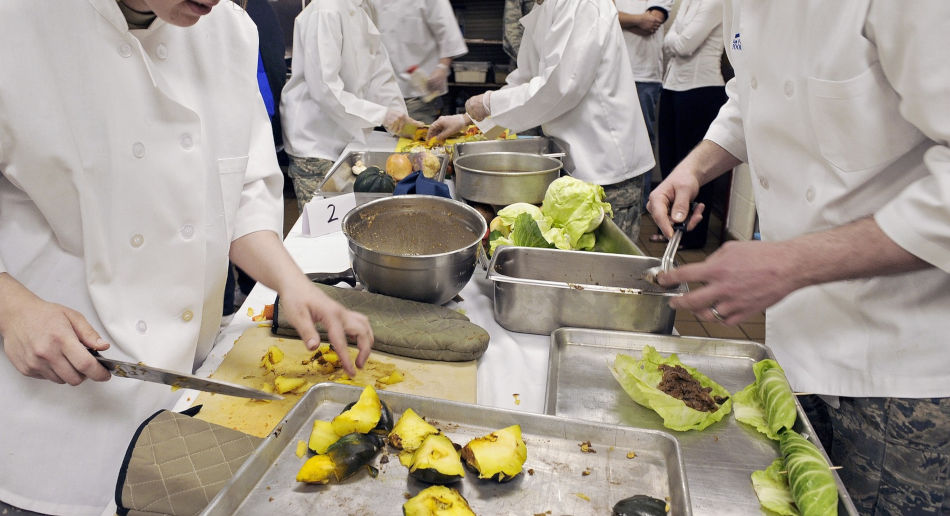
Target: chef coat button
x: 141, y: 327
x: 138, y: 150
x: 753, y: 83
x: 186, y: 142
x: 137, y: 240
x: 810, y: 194
x: 789, y: 88
x: 187, y: 315
x: 161, y: 51
x: 187, y: 231
x: 125, y: 50
x: 764, y: 182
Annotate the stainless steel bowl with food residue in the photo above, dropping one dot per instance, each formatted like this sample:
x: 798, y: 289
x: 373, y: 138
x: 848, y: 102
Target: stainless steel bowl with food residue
x: 417, y: 247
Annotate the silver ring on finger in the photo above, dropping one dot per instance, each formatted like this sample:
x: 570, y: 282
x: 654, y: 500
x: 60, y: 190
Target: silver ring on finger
x: 719, y: 317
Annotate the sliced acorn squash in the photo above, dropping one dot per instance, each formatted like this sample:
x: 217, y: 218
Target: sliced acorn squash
x: 385, y: 423
x: 410, y: 431
x: 437, y: 501
x: 317, y: 470
x: 361, y: 416
x: 641, y: 505
x: 322, y: 436
x: 437, y: 461
x: 352, y: 452
x: 499, y: 455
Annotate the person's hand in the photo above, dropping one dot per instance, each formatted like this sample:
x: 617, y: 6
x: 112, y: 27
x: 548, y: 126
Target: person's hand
x: 395, y: 120
x: 740, y: 280
x: 669, y: 202
x: 439, y: 78
x: 304, y: 305
x: 47, y: 340
x: 448, y: 126
x: 477, y: 106
x: 649, y: 23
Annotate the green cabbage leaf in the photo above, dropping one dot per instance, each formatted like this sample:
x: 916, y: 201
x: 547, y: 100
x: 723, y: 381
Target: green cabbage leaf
x: 639, y: 379
x: 768, y: 404
x: 771, y: 487
x: 809, y: 476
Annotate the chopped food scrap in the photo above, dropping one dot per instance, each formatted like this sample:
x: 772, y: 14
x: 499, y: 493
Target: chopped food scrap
x: 531, y: 471
x: 678, y: 383
x: 517, y: 399
x: 271, y: 358
x: 582, y: 496
x: 301, y: 449
x: 392, y: 378
x: 585, y: 472
x: 631, y: 455
x: 283, y: 384
x: 250, y: 312
x: 586, y: 447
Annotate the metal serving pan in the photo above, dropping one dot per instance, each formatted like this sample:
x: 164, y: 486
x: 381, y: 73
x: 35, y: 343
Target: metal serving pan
x: 502, y: 178
x: 340, y: 177
x: 530, y: 144
x: 539, y: 290
x: 553, y: 480
x: 719, y: 459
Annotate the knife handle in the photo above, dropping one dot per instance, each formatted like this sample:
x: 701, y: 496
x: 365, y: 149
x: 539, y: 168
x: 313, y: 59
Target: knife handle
x: 332, y: 278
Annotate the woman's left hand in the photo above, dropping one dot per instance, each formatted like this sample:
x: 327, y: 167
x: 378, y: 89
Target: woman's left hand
x: 476, y: 107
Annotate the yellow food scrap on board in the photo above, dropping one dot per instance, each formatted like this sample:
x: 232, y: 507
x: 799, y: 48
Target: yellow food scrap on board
x: 301, y: 449
x: 271, y: 358
x: 347, y: 381
x: 631, y: 455
x: 394, y: 377
x: 582, y: 496
x: 517, y: 398
x: 250, y: 312
x: 283, y: 385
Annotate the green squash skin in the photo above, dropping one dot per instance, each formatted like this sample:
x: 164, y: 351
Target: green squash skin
x: 385, y: 424
x: 352, y: 452
x: 374, y: 180
x: 640, y: 505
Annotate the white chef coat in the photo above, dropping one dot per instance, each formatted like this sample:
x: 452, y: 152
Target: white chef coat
x: 646, y: 52
x: 418, y: 33
x: 841, y: 109
x: 341, y: 82
x: 129, y: 163
x: 694, y: 45
x: 574, y: 80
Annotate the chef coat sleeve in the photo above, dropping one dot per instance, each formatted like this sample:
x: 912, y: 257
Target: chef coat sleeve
x: 383, y: 89
x: 909, y: 43
x: 322, y: 73
x: 664, y: 6
x: 441, y: 20
x: 691, y: 35
x: 727, y: 130
x: 573, y: 51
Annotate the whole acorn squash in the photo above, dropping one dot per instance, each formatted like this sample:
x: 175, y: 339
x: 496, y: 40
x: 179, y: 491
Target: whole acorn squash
x: 499, y: 455
x: 437, y: 461
x: 374, y: 180
x: 437, y: 501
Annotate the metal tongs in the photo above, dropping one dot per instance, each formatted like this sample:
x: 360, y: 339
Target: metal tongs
x: 666, y: 263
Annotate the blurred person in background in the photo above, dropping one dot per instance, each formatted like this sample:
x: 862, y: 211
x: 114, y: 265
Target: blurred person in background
x: 341, y: 86
x: 693, y: 92
x: 574, y: 80
x: 642, y: 23
x: 420, y: 35
x: 512, y: 30
x: 137, y: 159
x: 842, y: 111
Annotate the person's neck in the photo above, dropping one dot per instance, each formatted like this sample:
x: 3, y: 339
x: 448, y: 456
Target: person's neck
x: 138, y: 6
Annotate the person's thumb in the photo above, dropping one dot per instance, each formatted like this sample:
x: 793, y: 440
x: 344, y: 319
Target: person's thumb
x: 680, y: 208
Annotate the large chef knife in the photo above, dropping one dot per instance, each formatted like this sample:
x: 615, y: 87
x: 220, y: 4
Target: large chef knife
x: 182, y: 380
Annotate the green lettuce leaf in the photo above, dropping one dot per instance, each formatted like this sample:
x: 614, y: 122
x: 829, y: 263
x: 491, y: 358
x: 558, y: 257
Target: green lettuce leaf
x: 505, y: 218
x: 639, y: 379
x: 809, y: 476
x: 524, y: 232
x: 576, y: 207
x: 778, y: 412
x: 771, y: 487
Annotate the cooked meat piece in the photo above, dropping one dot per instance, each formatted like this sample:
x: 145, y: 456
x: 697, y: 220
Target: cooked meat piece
x: 677, y: 382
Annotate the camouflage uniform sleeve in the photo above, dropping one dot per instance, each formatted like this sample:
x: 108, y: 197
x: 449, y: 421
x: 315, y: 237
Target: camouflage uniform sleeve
x: 511, y: 39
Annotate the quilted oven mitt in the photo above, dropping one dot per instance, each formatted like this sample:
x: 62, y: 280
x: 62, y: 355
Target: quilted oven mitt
x: 406, y: 328
x: 176, y: 464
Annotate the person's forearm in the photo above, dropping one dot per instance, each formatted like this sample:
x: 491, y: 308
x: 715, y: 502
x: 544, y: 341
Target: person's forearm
x: 263, y: 256
x: 12, y: 294
x: 856, y: 250
x: 631, y: 21
x: 707, y: 161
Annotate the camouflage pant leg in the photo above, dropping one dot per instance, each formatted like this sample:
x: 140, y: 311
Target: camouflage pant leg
x: 307, y: 174
x: 425, y: 112
x: 894, y: 453
x: 626, y: 198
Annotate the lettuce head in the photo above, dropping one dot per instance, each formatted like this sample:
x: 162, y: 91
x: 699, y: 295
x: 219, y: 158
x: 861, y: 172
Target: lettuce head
x: 577, y: 208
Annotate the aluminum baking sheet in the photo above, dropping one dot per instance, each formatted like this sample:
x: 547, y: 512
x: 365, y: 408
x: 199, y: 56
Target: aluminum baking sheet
x: 340, y: 177
x: 719, y: 459
x: 265, y: 484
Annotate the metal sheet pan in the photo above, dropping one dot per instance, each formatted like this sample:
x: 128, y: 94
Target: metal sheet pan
x: 719, y: 459
x: 539, y: 290
x: 265, y: 483
x: 340, y: 177
x: 531, y: 144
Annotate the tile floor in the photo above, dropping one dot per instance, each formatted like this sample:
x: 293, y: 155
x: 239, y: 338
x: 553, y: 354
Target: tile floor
x: 686, y: 323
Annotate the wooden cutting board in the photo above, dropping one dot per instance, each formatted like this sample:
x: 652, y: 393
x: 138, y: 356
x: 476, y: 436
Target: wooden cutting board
x: 447, y: 380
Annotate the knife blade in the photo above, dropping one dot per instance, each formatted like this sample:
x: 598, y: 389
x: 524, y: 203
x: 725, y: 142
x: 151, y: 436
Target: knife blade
x: 177, y: 379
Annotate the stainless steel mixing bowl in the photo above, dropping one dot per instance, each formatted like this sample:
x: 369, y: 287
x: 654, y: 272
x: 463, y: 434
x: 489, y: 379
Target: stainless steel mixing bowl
x: 418, y: 247
x: 502, y: 178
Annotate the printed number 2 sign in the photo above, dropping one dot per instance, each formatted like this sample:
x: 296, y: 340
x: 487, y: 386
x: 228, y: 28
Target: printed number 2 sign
x: 325, y: 215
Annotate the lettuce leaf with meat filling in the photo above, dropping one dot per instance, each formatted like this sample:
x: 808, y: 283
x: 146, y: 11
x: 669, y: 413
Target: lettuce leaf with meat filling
x: 639, y: 379
x: 767, y: 404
